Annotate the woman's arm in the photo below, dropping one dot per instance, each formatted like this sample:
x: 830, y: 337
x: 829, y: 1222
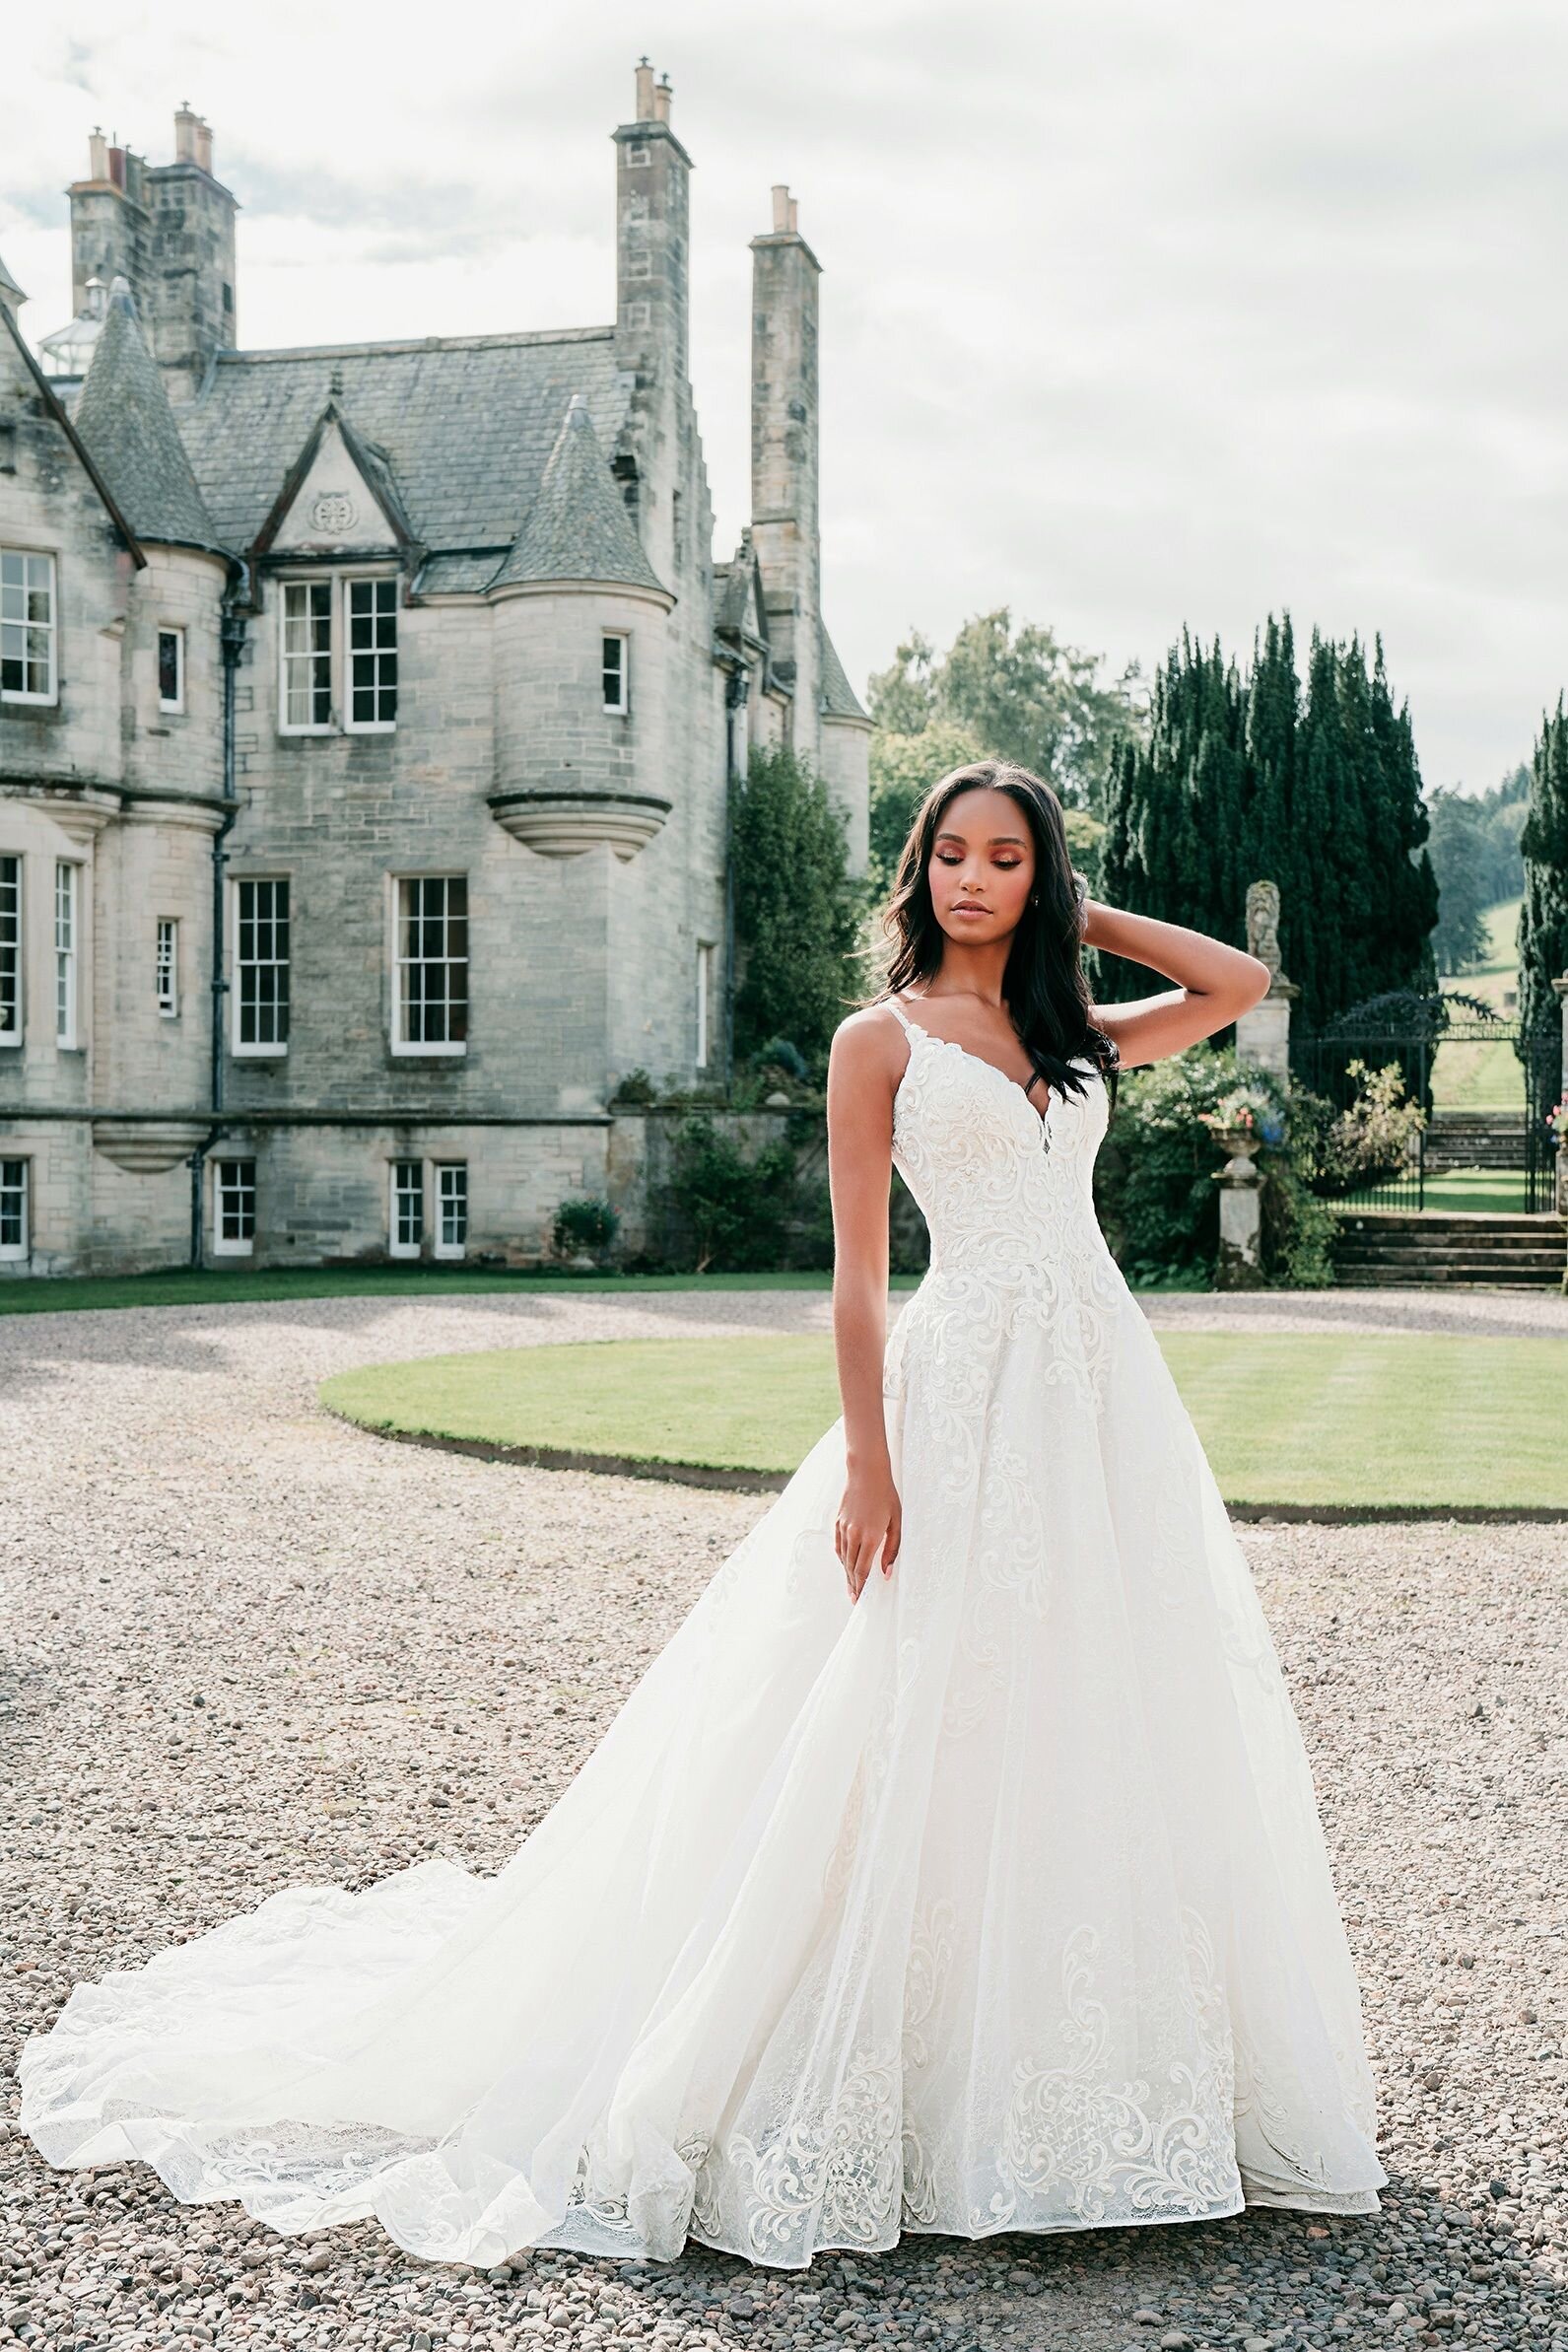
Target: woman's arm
x: 864, y: 1066
x: 1215, y: 983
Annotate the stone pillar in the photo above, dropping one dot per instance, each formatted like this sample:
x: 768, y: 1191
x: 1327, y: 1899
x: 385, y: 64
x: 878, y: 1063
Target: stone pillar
x: 1262, y: 1035
x: 1239, y: 1264
x: 1559, y: 989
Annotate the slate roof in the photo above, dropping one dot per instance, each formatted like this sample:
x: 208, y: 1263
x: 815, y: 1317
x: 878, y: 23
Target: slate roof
x: 124, y: 418
x: 839, y: 698
x: 577, y: 527
x: 467, y: 424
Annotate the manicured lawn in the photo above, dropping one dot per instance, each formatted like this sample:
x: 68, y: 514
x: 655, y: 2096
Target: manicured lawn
x: 1495, y: 1189
x: 1303, y: 1418
x: 1481, y: 1076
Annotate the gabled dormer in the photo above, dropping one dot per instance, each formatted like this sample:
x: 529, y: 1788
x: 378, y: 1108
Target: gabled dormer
x: 340, y: 501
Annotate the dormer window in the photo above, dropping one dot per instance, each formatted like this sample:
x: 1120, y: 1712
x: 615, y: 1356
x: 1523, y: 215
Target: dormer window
x: 307, y: 655
x: 338, y: 660
x: 372, y: 653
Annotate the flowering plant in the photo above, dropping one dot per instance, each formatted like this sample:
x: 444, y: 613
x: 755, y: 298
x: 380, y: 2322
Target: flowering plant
x: 1238, y: 1108
x: 1557, y: 1121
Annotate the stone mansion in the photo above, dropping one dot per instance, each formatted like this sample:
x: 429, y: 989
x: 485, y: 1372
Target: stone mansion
x: 369, y: 716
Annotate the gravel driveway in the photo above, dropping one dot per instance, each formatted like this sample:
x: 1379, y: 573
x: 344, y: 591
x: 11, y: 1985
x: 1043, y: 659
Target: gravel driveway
x: 245, y: 1645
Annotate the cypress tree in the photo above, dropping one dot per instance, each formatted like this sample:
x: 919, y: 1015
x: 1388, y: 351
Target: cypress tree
x: 1544, y: 914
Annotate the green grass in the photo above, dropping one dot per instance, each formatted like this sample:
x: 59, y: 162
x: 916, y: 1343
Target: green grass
x: 1496, y: 1190
x: 223, y: 1286
x: 1307, y: 1419
x: 1481, y: 1076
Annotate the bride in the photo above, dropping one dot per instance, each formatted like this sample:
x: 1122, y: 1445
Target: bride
x: 957, y: 1865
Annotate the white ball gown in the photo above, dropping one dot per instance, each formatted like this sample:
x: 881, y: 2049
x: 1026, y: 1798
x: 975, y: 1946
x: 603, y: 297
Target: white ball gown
x: 995, y: 1901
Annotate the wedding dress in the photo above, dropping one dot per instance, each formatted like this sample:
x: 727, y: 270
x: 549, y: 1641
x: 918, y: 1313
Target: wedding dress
x: 995, y: 1901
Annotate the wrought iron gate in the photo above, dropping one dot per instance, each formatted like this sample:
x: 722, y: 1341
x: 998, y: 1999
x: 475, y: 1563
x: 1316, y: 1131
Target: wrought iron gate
x: 1407, y: 1028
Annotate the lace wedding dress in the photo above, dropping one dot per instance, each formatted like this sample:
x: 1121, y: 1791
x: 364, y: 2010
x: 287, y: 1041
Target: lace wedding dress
x: 998, y: 1900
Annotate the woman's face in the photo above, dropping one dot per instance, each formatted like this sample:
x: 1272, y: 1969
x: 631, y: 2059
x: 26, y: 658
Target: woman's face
x: 982, y: 865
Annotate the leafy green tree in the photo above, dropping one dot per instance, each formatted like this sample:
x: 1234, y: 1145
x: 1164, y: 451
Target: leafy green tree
x: 1461, y: 859
x: 1024, y: 696
x: 795, y: 907
x: 1315, y: 789
x: 1543, y: 916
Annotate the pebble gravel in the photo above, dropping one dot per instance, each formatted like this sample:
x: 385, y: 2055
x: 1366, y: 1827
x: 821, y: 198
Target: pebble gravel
x: 245, y: 1645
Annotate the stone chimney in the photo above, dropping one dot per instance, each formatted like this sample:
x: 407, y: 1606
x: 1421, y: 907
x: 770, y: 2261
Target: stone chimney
x: 784, y: 458
x: 653, y: 211
x: 170, y: 233
x: 653, y: 216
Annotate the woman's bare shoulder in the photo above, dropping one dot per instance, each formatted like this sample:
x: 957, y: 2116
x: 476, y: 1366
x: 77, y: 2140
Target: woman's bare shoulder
x: 867, y: 1043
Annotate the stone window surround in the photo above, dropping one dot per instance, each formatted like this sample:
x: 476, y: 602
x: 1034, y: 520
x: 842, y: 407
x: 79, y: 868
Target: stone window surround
x: 68, y: 955
x: 337, y: 581
x: 15, y: 694
x: 620, y: 675
x: 274, y: 1050
x: 453, y: 1049
x: 242, y: 1191
x: 166, y: 937
x: 443, y: 1187
x: 16, y: 1187
x: 13, y: 913
x: 171, y: 706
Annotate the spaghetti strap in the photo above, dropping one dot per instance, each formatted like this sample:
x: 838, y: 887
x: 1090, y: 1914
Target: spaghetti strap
x: 913, y: 1028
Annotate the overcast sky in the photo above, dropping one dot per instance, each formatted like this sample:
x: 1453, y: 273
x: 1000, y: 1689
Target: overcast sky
x: 1135, y: 312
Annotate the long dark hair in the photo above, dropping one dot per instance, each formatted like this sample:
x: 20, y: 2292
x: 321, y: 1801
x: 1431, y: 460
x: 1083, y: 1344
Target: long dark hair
x: 1044, y: 984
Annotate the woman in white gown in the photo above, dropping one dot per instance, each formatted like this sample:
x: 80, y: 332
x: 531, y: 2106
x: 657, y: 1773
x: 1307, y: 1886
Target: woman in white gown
x: 956, y: 1867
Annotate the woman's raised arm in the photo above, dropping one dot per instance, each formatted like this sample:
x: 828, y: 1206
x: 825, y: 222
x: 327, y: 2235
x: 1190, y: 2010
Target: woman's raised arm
x: 1214, y: 983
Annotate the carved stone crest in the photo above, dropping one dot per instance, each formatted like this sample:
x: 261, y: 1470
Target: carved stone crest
x: 334, y: 512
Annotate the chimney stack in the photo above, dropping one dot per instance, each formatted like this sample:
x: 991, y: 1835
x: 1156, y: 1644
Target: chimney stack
x: 97, y: 155
x: 186, y: 124
x: 662, y: 94
x: 204, y: 147
x: 784, y: 459
x: 643, y: 99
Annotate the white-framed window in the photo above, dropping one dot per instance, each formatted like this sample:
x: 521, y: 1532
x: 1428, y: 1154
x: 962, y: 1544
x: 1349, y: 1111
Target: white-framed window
x: 14, y: 1207
x: 29, y: 627
x: 261, y: 965
x: 169, y: 967
x: 306, y: 649
x: 451, y: 1208
x: 10, y: 950
x: 705, y: 1003
x: 66, y: 896
x: 615, y: 670
x: 371, y: 699
x: 407, y: 1225
x: 172, y: 669
x: 234, y: 1207
x: 430, y: 992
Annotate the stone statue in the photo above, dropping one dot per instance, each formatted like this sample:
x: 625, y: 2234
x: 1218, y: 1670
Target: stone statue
x: 1262, y: 927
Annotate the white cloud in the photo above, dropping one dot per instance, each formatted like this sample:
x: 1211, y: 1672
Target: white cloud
x: 1134, y: 315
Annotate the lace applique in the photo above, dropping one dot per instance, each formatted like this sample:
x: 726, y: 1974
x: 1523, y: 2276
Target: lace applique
x: 1096, y: 2149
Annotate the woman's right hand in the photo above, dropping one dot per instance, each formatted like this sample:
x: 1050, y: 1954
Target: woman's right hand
x: 870, y: 1519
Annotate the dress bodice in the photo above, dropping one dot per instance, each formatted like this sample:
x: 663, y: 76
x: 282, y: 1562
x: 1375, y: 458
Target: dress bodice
x: 1002, y: 1188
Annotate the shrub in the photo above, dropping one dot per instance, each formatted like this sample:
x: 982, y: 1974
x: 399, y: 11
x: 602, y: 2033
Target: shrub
x: 1370, y: 1139
x: 1155, y: 1186
x: 583, y: 1224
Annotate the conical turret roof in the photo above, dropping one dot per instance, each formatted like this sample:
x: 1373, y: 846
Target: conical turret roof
x: 579, y: 527
x: 124, y: 417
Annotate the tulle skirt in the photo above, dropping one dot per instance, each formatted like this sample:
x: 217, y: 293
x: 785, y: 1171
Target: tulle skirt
x: 997, y: 1900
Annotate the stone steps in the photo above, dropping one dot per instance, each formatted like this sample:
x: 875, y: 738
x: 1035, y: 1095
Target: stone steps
x: 1387, y: 1247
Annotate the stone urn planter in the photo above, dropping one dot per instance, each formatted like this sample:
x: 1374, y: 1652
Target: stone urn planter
x: 1240, y: 1266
